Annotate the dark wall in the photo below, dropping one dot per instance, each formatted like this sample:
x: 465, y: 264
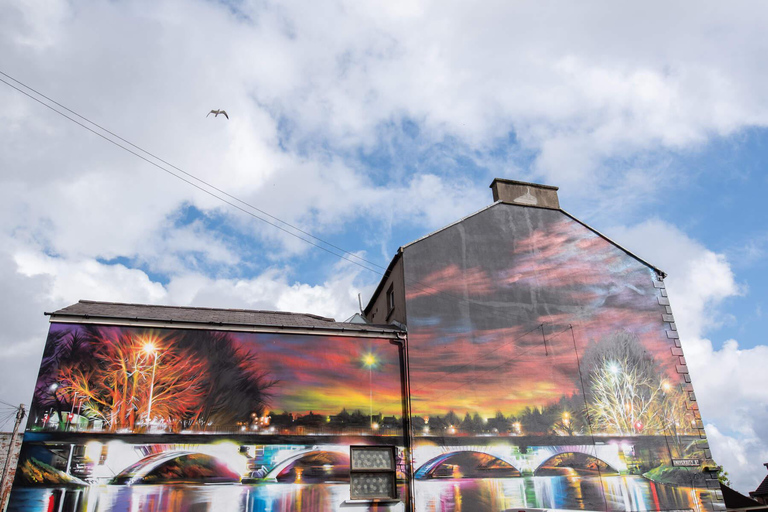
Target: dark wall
x: 378, y: 310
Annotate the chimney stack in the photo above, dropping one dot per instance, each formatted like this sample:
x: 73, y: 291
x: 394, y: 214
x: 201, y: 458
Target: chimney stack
x: 520, y: 192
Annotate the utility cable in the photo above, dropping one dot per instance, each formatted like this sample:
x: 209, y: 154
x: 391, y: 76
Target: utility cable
x: 189, y: 174
x: 589, y: 421
x: 9, y: 405
x: 385, y: 274
x: 4, y: 419
x: 188, y: 181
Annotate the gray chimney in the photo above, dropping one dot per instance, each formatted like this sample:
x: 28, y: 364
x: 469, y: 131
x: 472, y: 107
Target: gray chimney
x: 520, y: 192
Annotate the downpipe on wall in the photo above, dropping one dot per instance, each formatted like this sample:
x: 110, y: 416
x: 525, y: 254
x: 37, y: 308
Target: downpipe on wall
x: 405, y: 392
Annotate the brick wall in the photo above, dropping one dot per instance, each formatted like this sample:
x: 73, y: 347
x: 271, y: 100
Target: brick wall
x: 5, y: 441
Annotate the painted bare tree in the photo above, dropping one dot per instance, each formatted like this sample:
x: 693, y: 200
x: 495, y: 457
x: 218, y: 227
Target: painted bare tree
x: 130, y: 373
x: 628, y: 392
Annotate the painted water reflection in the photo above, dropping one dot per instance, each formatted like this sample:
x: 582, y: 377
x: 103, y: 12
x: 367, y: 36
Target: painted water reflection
x: 270, y: 497
x: 616, y: 493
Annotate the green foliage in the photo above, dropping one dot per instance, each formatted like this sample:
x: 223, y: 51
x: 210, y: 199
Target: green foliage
x: 722, y: 475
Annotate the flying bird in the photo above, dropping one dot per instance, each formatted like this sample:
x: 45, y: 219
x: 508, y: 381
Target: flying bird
x: 217, y: 112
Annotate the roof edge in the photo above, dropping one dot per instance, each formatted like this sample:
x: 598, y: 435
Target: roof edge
x: 526, y: 183
x: 454, y: 223
x: 616, y: 244
x: 372, y: 331
x: 598, y: 233
x: 384, y: 277
x: 166, y: 306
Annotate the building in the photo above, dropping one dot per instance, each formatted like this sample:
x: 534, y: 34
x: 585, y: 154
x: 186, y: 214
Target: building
x: 537, y: 346
x: 523, y: 359
x: 761, y: 493
x: 133, y: 401
x: 736, y: 502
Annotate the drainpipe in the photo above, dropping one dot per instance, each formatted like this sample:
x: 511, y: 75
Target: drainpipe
x: 405, y: 392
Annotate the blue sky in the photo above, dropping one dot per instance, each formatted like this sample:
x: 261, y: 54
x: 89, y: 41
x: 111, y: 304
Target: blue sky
x: 370, y: 125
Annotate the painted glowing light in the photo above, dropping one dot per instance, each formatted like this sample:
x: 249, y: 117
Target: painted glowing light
x: 614, y: 367
x: 369, y: 360
x: 149, y: 347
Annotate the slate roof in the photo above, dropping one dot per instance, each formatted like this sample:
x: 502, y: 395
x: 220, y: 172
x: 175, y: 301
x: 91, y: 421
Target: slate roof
x: 762, y: 489
x: 734, y: 499
x: 210, y: 316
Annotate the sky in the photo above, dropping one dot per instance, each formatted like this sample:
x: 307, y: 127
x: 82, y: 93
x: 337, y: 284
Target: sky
x: 322, y: 375
x: 370, y: 124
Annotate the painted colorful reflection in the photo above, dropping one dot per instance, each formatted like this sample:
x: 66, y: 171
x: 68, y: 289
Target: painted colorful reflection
x: 111, y: 379
x: 85, y: 473
x: 127, y: 419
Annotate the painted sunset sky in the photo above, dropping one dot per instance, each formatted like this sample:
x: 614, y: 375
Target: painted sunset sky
x: 493, y: 286
x: 324, y: 374
x: 319, y: 374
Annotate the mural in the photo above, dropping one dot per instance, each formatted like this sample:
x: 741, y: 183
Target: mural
x: 178, y: 473
x: 181, y: 420
x: 545, y: 369
x: 542, y: 353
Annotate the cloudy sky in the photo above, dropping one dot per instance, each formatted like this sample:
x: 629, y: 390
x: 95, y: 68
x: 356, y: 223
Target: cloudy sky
x: 369, y: 125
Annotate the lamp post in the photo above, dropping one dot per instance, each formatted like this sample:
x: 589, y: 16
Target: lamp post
x: 151, y: 349
x: 71, y: 414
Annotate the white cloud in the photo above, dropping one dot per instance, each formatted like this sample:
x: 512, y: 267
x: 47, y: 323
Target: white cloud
x: 730, y: 383
x: 35, y: 282
x: 308, y: 83
x: 309, y: 87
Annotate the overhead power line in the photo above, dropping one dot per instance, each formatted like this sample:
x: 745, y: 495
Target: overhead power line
x: 249, y: 205
x: 9, y: 405
x: 342, y: 256
x: 228, y: 198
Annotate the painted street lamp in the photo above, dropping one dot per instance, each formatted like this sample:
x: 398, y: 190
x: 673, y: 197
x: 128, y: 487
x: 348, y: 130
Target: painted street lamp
x: 150, y: 349
x: 369, y: 361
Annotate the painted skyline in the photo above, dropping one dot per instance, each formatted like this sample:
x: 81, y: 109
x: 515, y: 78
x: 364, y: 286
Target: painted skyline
x: 116, y: 378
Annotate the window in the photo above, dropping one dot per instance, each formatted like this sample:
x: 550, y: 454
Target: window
x: 372, y: 473
x: 390, y: 299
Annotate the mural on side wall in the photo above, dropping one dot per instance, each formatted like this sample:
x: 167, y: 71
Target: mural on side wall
x: 181, y: 420
x: 543, y: 373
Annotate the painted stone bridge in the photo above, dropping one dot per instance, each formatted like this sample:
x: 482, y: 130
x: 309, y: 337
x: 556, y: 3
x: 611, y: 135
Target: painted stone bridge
x: 434, y: 457
x: 528, y: 461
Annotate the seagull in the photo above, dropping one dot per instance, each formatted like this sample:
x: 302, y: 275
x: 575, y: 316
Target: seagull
x: 217, y: 112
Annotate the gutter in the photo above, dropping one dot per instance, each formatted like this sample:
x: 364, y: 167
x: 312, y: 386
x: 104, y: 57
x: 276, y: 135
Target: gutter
x: 405, y: 390
x: 220, y: 326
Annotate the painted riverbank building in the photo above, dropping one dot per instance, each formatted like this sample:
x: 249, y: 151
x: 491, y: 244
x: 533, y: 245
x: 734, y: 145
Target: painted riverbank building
x: 516, y: 359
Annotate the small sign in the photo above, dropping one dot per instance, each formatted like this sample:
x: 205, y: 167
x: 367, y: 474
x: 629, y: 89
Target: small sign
x: 686, y: 463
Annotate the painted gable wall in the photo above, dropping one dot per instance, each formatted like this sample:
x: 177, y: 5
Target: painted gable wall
x: 539, y: 347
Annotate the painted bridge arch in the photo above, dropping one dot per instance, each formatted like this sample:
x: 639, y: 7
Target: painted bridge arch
x: 177, y: 467
x: 608, y: 454
x: 527, y: 461
x: 312, y: 466
x: 573, y: 463
x: 467, y: 463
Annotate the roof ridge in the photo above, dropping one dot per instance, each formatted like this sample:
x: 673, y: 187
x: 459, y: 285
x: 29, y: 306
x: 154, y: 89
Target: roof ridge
x: 166, y: 306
